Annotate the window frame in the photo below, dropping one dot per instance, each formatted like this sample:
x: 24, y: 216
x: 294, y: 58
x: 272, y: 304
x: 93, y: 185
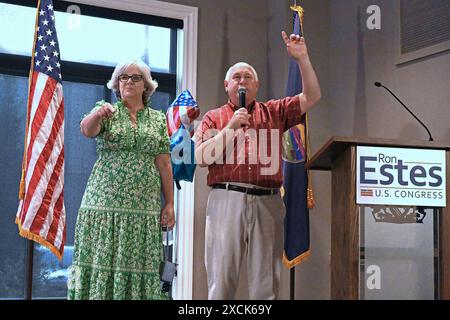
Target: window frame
x: 19, y: 65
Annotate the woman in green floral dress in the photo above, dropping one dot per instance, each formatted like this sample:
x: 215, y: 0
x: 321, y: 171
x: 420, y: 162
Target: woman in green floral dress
x: 118, y: 244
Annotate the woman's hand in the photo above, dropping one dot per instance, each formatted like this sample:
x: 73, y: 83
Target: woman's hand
x: 90, y: 126
x: 106, y: 111
x: 168, y: 216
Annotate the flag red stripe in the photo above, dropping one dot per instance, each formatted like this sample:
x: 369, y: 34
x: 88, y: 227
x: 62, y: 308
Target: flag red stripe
x: 56, y: 216
x: 42, y: 213
x: 193, y: 113
x: 64, y: 235
x: 176, y: 117
x: 30, y: 102
x: 60, y: 245
x: 43, y: 158
x: 31, y: 93
x: 41, y: 111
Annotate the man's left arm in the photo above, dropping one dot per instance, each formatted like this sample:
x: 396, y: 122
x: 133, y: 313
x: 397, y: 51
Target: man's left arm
x: 296, y: 48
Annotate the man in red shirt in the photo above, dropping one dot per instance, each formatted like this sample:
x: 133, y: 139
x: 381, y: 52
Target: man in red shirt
x: 242, y: 149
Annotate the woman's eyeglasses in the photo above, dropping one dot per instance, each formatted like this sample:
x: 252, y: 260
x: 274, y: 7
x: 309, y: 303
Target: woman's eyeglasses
x: 134, y: 77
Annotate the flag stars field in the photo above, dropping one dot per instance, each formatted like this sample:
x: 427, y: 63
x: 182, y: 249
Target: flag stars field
x: 47, y: 56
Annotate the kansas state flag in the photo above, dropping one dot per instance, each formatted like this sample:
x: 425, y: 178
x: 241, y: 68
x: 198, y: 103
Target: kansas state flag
x: 295, y: 183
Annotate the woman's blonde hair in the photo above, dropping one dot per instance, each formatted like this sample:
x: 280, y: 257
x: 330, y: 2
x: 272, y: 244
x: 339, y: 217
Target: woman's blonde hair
x: 150, y: 85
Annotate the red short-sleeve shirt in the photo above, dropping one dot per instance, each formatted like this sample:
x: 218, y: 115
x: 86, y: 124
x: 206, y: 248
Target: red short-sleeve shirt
x: 255, y: 156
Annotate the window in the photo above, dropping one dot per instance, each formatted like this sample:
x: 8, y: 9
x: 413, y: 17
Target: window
x: 12, y: 247
x: 89, y: 55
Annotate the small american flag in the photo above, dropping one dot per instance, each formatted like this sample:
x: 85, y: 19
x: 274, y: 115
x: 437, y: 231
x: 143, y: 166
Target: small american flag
x: 183, y: 110
x: 41, y: 214
x: 367, y: 192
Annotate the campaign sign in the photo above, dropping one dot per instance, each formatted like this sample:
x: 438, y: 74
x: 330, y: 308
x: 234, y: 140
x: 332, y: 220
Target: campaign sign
x: 399, y: 176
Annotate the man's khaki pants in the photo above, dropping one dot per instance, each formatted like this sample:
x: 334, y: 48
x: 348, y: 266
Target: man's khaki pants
x: 242, y: 226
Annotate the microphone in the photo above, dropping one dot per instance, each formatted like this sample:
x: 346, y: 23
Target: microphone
x: 378, y: 84
x: 241, y: 92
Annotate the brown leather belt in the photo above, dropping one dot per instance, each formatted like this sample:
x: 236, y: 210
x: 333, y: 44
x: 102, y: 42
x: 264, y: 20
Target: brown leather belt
x: 252, y: 191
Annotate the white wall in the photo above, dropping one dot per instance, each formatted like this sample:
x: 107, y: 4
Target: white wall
x: 362, y: 56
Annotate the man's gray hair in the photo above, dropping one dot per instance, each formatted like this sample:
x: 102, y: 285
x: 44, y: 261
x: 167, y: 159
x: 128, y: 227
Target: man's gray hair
x: 150, y: 85
x: 240, y: 65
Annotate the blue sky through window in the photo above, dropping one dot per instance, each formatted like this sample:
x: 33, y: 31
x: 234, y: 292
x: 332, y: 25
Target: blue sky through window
x: 87, y: 39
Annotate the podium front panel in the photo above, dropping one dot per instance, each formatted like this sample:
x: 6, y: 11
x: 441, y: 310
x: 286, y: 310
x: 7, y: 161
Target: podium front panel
x: 398, y: 253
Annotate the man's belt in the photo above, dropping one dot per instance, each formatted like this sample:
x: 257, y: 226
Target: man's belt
x: 252, y: 191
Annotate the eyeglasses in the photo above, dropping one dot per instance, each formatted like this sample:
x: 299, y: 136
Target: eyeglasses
x: 134, y: 77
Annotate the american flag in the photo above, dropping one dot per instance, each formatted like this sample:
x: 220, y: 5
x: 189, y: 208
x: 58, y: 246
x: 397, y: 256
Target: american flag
x: 183, y: 110
x: 366, y: 192
x: 41, y: 214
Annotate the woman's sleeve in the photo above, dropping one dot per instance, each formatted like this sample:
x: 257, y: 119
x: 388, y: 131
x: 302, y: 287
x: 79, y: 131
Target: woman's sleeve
x: 164, y: 141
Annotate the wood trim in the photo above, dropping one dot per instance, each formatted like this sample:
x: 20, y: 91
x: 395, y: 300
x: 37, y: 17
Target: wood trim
x: 183, y: 284
x: 344, y: 228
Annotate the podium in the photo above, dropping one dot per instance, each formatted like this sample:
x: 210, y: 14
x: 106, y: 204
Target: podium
x: 382, y: 250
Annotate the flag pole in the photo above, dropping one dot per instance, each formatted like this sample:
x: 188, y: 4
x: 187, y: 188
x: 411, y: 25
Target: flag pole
x: 292, y: 284
x: 29, y: 273
x: 300, y: 12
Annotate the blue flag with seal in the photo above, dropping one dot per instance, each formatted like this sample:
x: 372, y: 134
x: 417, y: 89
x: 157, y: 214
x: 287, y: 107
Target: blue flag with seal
x: 180, y: 116
x: 297, y: 196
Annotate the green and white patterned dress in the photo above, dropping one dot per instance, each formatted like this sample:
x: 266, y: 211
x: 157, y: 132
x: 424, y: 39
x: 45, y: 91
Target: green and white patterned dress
x: 118, y: 245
